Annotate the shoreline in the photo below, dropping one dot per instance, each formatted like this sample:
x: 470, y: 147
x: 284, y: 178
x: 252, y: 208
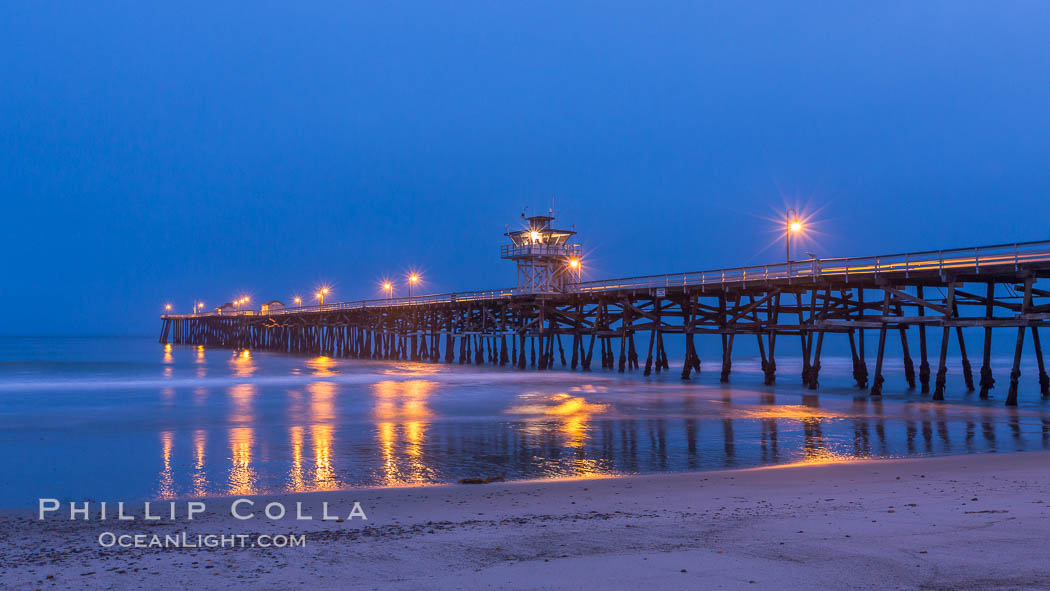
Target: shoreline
x: 351, y: 490
x: 964, y: 521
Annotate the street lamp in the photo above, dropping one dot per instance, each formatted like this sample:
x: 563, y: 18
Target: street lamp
x: 167, y: 307
x: 792, y: 226
x: 298, y: 302
x: 321, y: 294
x: 412, y: 279
x: 389, y: 289
x: 575, y: 268
x: 199, y: 307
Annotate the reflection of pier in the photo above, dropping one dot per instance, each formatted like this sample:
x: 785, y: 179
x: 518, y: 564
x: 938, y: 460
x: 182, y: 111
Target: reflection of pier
x: 555, y: 435
x: 752, y: 436
x: 553, y: 319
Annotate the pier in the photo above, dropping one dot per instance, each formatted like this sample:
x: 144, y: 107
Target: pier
x: 553, y: 319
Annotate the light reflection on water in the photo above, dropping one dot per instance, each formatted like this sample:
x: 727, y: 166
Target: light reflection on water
x: 199, y: 476
x: 401, y: 414
x: 221, y: 422
x: 242, y: 477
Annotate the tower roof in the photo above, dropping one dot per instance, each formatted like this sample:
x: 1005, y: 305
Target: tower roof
x: 539, y: 231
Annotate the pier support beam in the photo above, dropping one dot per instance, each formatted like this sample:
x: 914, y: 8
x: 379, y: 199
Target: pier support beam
x: 987, y: 381
x: 1044, y: 380
x: 727, y: 357
x: 876, y: 387
x: 909, y: 366
x: 942, y: 366
x: 1015, y: 372
x: 770, y: 367
x: 814, y: 371
x: 967, y: 370
x: 924, y: 361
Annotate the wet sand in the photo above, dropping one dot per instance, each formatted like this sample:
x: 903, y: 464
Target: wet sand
x: 961, y: 522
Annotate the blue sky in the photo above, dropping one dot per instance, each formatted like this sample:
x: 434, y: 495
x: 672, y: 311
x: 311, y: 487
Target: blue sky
x: 166, y: 152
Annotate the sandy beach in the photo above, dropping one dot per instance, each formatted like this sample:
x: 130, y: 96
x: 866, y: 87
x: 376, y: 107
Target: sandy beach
x: 960, y: 522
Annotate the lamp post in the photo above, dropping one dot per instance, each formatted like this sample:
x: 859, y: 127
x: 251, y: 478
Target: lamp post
x: 575, y: 268
x: 298, y: 302
x: 389, y: 289
x: 167, y: 307
x: 412, y: 279
x: 792, y: 226
x: 320, y: 295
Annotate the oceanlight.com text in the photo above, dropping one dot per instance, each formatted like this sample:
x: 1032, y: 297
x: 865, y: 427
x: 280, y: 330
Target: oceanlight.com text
x: 109, y: 539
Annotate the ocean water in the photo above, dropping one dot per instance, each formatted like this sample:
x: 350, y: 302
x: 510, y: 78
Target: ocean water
x: 129, y: 419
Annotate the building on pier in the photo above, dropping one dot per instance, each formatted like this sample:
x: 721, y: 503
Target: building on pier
x: 547, y: 261
x: 271, y: 306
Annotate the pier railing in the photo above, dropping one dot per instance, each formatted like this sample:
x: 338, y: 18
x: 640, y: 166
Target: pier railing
x: 442, y: 298
x: 975, y: 259
x: 511, y: 251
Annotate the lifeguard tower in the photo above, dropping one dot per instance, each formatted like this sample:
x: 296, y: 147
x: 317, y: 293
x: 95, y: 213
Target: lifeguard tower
x: 547, y: 262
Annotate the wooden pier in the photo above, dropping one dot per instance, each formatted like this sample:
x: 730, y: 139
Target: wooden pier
x: 627, y: 322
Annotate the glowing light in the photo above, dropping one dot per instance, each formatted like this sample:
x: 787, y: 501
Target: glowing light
x: 796, y: 226
x: 413, y: 278
x: 534, y: 236
x: 167, y: 307
x: 574, y: 263
x: 298, y: 300
x: 388, y: 286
